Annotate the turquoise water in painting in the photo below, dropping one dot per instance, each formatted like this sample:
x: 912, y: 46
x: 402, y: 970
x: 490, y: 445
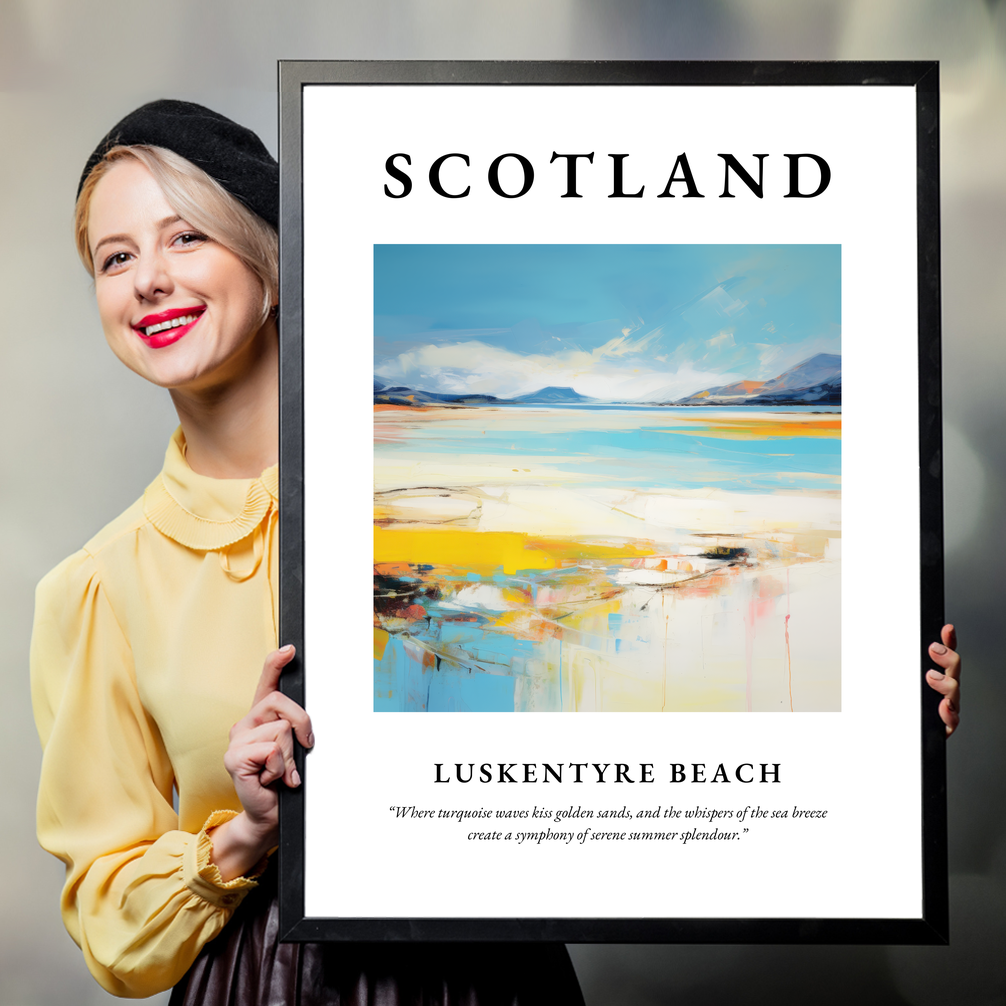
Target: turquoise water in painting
x: 645, y: 448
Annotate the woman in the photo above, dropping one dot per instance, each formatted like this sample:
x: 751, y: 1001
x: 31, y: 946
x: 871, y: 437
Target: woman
x: 149, y: 642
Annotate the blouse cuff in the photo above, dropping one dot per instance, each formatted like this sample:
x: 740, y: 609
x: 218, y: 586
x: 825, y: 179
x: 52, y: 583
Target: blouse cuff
x: 202, y: 876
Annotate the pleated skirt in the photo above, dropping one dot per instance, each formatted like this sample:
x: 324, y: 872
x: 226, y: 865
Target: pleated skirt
x: 246, y: 965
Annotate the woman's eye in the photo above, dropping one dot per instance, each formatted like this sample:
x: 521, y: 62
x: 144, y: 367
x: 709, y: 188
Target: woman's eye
x: 190, y: 238
x: 114, y: 261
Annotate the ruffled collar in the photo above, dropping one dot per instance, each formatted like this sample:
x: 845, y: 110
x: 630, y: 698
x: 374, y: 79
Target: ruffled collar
x: 203, y: 513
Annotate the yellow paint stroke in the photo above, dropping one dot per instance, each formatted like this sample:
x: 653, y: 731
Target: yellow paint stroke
x: 380, y: 642
x: 479, y: 551
x: 573, y: 549
x: 488, y: 551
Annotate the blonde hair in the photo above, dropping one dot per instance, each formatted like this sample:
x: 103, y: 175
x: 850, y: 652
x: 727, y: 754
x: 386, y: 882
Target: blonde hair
x: 199, y: 200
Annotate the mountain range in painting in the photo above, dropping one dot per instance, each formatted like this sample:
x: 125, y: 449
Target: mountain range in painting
x: 814, y: 381
x: 402, y: 395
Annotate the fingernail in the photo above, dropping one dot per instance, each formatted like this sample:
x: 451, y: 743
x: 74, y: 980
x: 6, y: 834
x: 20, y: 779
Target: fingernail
x: 310, y: 740
x: 295, y: 777
x: 936, y: 675
x: 287, y: 649
x: 938, y: 648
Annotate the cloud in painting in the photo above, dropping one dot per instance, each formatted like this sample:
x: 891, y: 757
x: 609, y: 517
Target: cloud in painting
x: 478, y: 368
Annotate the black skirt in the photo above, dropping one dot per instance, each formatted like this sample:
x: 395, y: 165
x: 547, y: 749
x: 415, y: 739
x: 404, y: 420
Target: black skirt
x: 246, y: 965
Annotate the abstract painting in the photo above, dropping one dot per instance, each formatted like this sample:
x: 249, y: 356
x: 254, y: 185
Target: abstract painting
x: 607, y: 478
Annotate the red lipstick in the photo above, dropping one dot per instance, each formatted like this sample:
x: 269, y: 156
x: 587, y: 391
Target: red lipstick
x: 165, y: 333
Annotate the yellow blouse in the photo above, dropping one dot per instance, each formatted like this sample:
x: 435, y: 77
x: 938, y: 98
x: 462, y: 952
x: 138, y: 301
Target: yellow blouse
x: 147, y: 647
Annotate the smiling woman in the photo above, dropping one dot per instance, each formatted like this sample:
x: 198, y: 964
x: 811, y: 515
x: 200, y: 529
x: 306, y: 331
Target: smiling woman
x: 149, y: 643
x: 158, y: 278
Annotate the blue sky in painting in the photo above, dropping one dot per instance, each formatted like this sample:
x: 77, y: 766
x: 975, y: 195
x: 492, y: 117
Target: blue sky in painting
x: 617, y: 322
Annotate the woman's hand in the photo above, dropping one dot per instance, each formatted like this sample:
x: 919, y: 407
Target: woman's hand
x: 948, y: 681
x: 260, y: 753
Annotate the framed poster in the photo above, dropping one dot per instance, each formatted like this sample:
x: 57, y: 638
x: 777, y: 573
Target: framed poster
x: 612, y: 592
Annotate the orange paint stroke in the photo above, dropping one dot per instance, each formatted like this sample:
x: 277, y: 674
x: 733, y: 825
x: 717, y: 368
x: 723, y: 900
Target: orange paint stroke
x: 768, y: 429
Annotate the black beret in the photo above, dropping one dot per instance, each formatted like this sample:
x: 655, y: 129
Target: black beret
x: 231, y: 154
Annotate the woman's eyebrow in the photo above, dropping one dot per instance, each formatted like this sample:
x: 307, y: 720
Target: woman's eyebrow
x: 160, y: 225
x: 109, y: 240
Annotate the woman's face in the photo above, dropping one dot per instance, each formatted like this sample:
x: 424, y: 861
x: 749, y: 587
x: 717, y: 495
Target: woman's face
x: 177, y: 308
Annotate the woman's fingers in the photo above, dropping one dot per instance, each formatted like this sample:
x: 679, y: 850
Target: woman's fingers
x: 277, y: 735
x: 277, y: 706
x: 949, y: 712
x: 270, y: 703
x: 947, y: 680
x: 946, y: 657
x: 949, y: 636
x: 271, y: 671
x: 260, y: 761
x: 949, y: 660
x: 274, y: 766
x: 261, y: 749
x: 947, y: 686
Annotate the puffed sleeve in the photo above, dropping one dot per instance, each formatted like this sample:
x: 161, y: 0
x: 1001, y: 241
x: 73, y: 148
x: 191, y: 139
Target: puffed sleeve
x: 141, y: 898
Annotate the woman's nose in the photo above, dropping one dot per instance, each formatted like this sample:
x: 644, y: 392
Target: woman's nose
x: 152, y: 277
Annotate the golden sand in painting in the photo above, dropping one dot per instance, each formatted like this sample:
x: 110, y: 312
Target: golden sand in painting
x: 507, y: 579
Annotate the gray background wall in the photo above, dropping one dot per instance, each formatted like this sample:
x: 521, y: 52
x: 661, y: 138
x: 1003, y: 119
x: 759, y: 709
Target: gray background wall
x: 82, y: 436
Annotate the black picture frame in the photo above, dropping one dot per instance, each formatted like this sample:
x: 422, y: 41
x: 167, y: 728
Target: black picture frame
x: 931, y: 927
